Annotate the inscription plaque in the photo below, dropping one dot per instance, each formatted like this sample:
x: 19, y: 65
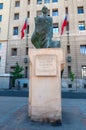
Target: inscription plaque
x: 45, y: 65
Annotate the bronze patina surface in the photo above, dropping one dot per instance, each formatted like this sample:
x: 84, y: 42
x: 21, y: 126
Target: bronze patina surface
x: 42, y: 36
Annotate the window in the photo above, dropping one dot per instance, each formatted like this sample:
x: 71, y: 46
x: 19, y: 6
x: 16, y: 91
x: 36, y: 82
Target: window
x: 0, y: 59
x: 26, y: 50
x: 17, y: 3
x: 12, y: 68
x: 28, y: 2
x: 68, y: 49
x: 0, y: 29
x: 15, y: 31
x: 0, y: 46
x: 0, y: 18
x: 55, y: 12
x: 39, y: 12
x: 28, y: 14
x: 80, y: 10
x: 1, y: 5
x: 81, y: 25
x: 66, y: 10
x: 16, y: 16
x: 69, y: 85
x: 46, y: 1
x: 28, y: 29
x: 54, y: 1
x: 83, y: 71
x: 39, y: 1
x: 14, y: 52
x: 83, y: 49
x: 48, y: 13
x: 67, y: 27
x: 55, y: 28
x: 69, y: 70
x: 26, y: 72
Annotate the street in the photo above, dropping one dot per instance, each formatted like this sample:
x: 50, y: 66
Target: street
x: 14, y: 115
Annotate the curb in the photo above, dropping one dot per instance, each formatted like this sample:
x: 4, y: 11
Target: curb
x: 22, y: 93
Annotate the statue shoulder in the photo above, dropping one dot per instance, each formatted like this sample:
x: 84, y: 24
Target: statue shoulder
x: 49, y: 18
x: 38, y: 19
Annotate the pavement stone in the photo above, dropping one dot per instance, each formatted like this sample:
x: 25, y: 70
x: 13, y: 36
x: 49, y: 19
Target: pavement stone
x: 14, y: 115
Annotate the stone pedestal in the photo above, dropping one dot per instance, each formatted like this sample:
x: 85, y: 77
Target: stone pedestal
x: 45, y: 84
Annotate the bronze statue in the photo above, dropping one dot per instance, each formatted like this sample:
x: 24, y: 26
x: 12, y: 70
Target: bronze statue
x: 42, y: 36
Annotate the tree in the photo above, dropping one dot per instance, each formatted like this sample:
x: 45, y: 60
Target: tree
x: 71, y: 76
x: 17, y: 72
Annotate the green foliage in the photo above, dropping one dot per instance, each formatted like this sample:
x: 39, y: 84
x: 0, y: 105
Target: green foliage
x: 17, y: 72
x: 71, y: 76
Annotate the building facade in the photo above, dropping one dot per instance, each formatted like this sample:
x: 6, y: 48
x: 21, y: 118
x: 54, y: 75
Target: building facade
x: 73, y: 39
x: 4, y: 25
x: 4, y: 18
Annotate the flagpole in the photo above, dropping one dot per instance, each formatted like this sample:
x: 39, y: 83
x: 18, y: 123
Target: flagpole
x: 27, y: 37
x: 68, y: 42
x: 64, y: 24
x: 27, y: 45
x: 60, y: 37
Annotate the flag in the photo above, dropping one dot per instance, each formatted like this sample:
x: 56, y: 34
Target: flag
x: 23, y: 29
x: 64, y: 24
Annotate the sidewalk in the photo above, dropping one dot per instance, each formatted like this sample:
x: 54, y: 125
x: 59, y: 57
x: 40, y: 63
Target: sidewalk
x: 14, y: 115
x: 25, y: 93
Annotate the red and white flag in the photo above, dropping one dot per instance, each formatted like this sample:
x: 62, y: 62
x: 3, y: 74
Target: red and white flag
x: 23, y: 29
x: 64, y: 24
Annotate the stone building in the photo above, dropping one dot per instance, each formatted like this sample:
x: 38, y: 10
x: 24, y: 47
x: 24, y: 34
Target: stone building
x: 4, y: 19
x: 73, y: 39
x: 4, y: 25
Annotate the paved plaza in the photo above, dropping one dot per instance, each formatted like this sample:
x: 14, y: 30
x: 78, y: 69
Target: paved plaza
x: 14, y: 115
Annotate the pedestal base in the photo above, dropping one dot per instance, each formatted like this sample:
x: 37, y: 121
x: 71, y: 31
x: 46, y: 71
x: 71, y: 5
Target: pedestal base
x: 45, y: 84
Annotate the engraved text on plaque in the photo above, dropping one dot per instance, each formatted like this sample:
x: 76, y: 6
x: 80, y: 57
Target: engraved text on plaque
x: 46, y: 65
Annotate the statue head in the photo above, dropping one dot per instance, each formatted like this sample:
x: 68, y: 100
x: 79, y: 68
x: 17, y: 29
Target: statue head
x: 44, y: 10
